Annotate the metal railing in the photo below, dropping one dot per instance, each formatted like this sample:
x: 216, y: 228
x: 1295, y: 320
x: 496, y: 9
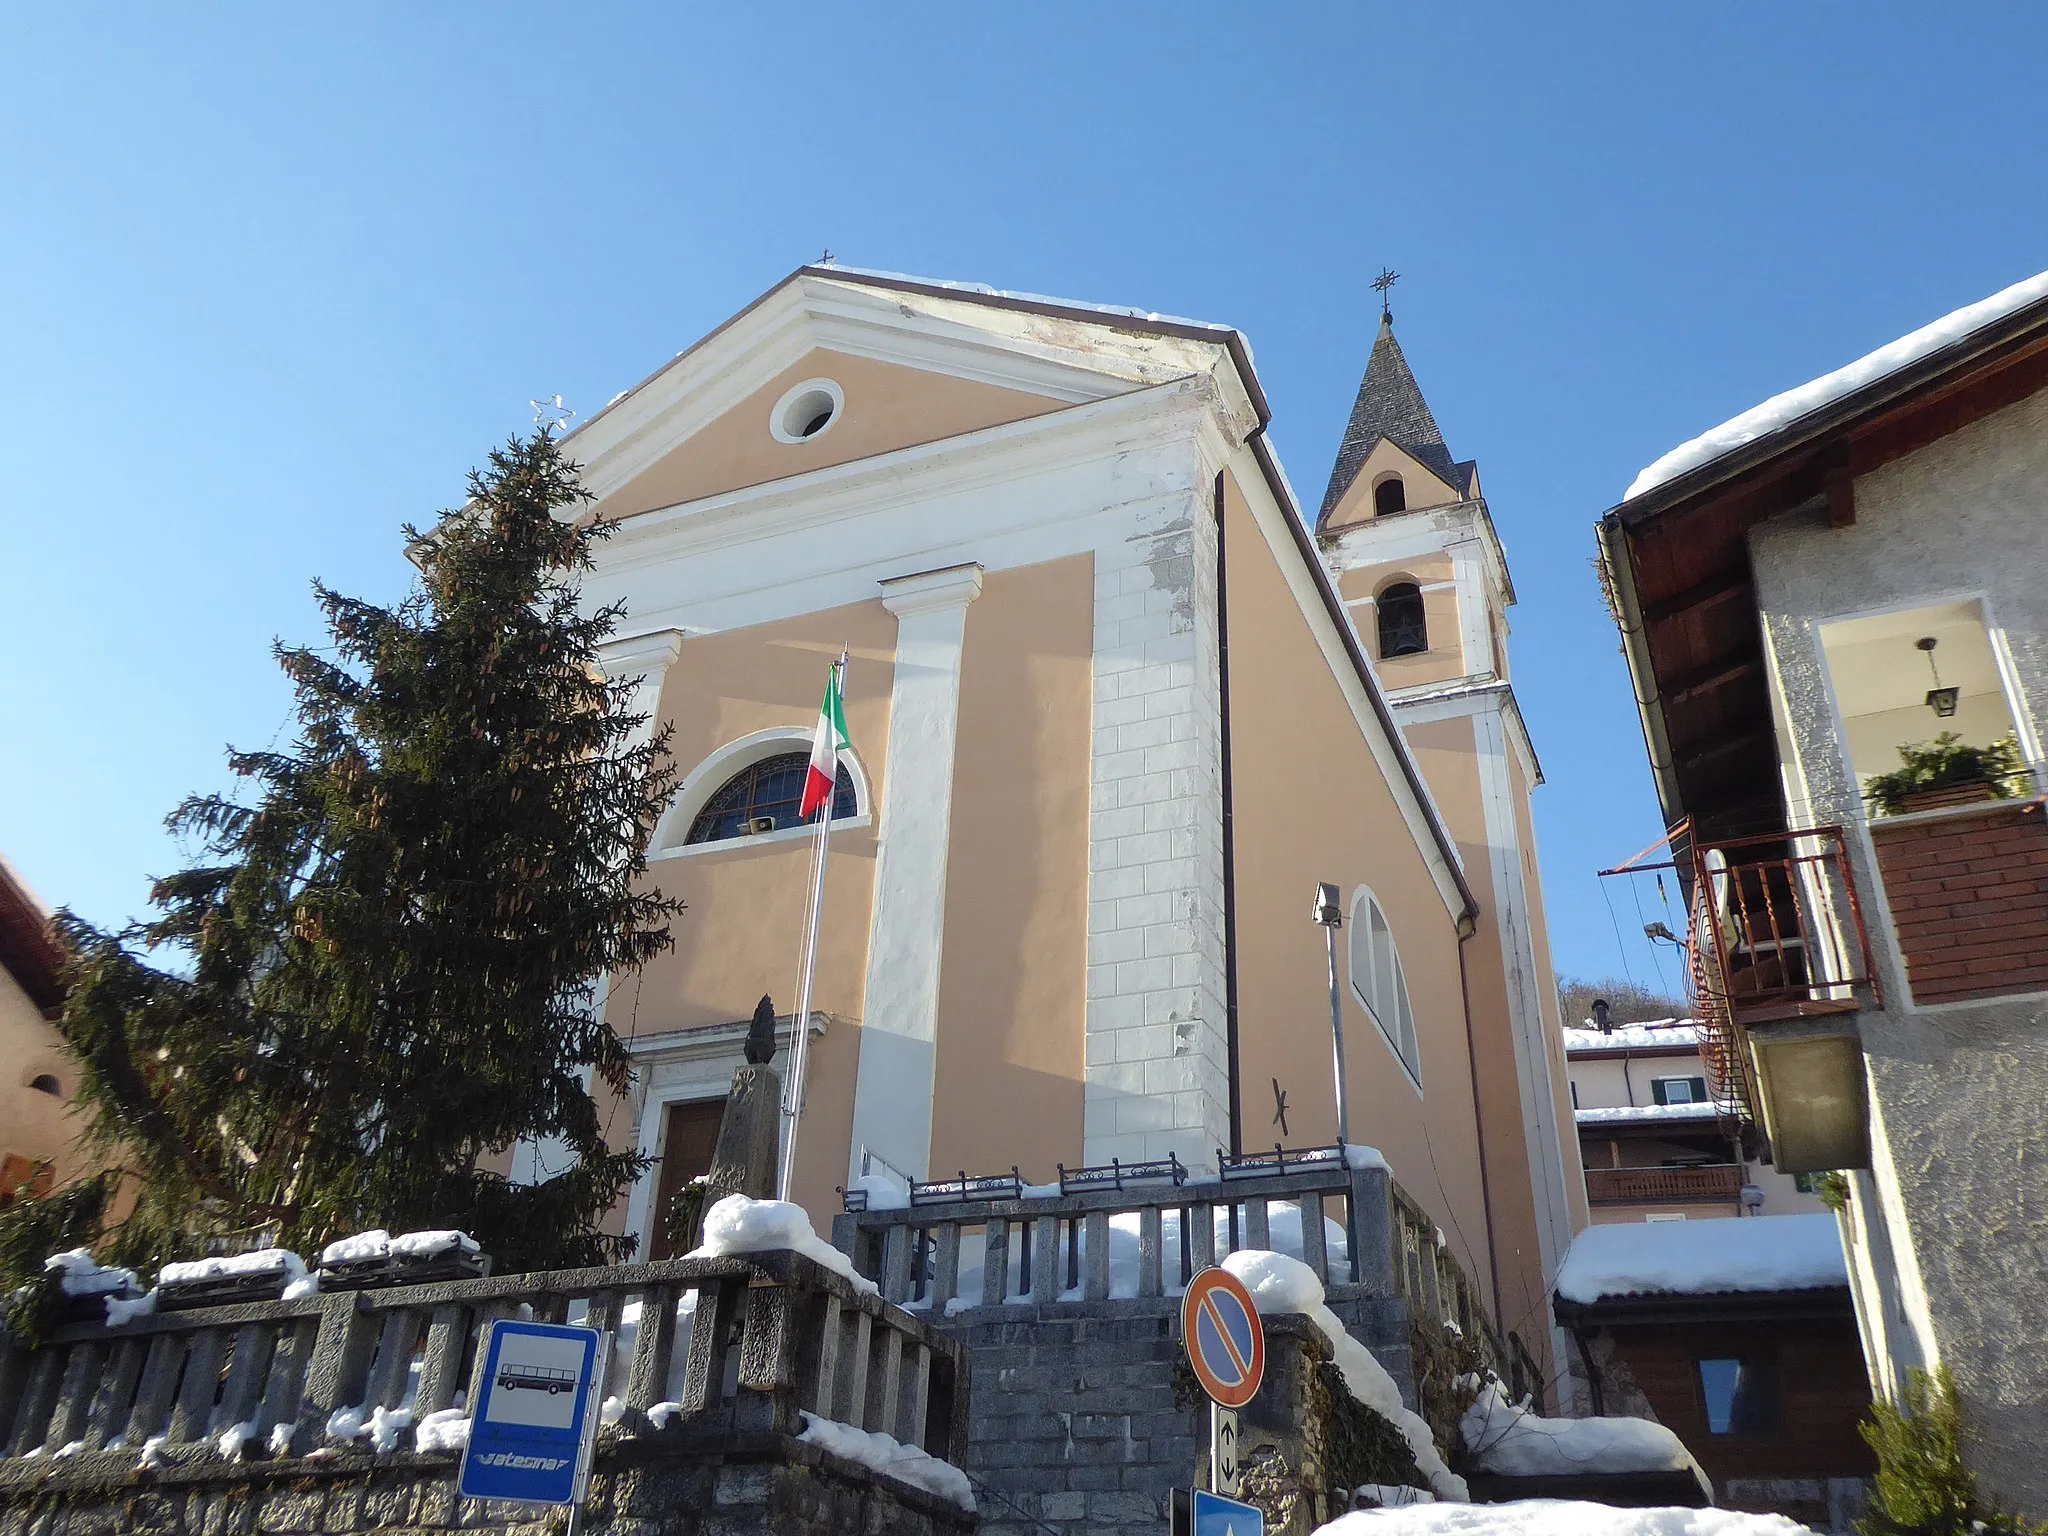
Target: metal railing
x: 1099, y: 1243
x: 769, y: 1335
x: 1719, y: 1182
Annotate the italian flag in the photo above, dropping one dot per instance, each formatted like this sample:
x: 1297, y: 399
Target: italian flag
x: 826, y: 746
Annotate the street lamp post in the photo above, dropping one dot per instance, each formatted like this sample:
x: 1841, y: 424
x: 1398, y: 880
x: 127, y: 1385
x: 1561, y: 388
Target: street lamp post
x: 1330, y: 917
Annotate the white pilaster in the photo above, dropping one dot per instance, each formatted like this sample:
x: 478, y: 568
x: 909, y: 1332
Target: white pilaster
x: 1157, y: 1060
x: 643, y: 660
x: 892, y: 1097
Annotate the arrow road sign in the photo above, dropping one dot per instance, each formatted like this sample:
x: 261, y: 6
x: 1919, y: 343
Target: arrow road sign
x: 1226, y: 1342
x: 1201, y: 1513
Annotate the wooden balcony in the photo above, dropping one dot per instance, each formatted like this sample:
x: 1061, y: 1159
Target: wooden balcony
x: 1718, y: 1183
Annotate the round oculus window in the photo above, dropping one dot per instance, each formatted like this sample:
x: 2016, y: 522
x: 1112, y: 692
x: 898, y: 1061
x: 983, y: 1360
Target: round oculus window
x: 807, y: 411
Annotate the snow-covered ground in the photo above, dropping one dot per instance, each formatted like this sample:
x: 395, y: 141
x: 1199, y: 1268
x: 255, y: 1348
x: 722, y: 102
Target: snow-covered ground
x: 1782, y: 410
x: 1505, y: 1439
x: 1556, y: 1517
x: 1755, y: 1253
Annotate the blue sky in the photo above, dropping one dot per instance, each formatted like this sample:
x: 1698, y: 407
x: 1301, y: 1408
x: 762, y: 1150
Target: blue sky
x: 271, y: 279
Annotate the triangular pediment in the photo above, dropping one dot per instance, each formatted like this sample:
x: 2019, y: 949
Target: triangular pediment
x: 907, y: 366
x: 1423, y: 486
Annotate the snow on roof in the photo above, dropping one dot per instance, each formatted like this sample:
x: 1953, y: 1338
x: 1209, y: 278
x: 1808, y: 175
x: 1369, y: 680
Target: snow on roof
x: 984, y: 291
x: 1628, y: 1112
x: 1633, y: 1037
x: 1556, y: 1517
x: 1782, y: 410
x: 1704, y: 1258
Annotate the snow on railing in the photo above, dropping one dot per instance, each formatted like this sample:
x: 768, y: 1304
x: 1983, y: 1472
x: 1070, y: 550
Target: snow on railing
x: 1013, y: 1244
x: 766, y: 1338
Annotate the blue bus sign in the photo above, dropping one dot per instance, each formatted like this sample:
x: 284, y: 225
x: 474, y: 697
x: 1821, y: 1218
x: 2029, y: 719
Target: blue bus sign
x: 529, y: 1429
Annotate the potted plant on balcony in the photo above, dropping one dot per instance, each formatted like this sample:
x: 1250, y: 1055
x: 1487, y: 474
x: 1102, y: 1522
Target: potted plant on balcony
x: 1945, y: 771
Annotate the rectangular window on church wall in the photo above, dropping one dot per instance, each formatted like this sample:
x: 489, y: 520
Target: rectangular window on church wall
x: 692, y: 1136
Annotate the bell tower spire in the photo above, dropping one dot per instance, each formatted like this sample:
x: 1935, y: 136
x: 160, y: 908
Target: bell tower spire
x: 1390, y: 408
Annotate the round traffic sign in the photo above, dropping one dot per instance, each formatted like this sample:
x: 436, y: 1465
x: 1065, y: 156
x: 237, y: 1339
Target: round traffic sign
x: 1226, y: 1342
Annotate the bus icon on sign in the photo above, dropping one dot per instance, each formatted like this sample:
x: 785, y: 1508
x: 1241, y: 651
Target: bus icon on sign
x: 535, y: 1378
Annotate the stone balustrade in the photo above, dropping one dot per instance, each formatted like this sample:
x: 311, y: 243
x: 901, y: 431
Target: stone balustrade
x: 770, y: 1336
x: 1040, y: 1247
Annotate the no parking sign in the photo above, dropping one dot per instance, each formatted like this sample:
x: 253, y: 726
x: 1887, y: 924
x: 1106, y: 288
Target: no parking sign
x: 1226, y: 1342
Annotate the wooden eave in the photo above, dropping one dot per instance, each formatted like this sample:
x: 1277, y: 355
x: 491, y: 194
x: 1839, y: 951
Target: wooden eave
x: 1689, y: 614
x: 29, y: 948
x: 1706, y: 1307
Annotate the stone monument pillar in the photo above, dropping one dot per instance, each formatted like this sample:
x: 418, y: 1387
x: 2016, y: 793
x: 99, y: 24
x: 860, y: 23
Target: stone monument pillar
x: 746, y: 1159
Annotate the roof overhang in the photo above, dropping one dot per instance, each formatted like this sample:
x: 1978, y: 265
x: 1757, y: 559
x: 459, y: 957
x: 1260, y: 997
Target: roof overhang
x: 1664, y: 1308
x: 28, y: 945
x: 1676, y: 561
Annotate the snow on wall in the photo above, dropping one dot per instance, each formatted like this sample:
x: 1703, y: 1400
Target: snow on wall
x: 1680, y: 1258
x: 1504, y: 1439
x: 1280, y: 1284
x: 1556, y: 1517
x: 1782, y: 410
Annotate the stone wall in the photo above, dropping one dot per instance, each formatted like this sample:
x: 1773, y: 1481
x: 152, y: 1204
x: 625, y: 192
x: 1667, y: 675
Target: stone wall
x: 1078, y: 1422
x: 774, y: 1487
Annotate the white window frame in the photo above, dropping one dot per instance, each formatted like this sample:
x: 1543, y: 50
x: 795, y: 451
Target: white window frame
x: 720, y: 768
x: 1383, y: 991
x: 1688, y: 1078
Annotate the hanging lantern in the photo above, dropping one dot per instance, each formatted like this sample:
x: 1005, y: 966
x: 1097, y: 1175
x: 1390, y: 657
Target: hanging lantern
x: 1939, y: 699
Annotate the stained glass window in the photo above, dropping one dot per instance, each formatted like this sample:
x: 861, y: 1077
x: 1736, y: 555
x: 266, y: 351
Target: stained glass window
x: 771, y: 790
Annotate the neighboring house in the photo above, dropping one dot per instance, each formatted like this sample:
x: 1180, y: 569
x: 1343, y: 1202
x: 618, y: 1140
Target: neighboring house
x: 1656, y: 1144
x: 1111, y: 723
x: 1852, y: 567
x: 36, y: 1128
x: 1740, y: 1339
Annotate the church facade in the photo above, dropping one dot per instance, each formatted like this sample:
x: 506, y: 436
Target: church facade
x: 1117, y: 705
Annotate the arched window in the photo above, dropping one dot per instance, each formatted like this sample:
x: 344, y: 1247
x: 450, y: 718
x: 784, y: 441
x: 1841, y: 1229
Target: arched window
x: 1403, y: 631
x: 1378, y: 981
x: 1390, y: 495
x: 767, y: 792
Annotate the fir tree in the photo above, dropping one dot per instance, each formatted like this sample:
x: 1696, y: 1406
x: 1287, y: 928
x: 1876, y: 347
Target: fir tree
x: 381, y: 970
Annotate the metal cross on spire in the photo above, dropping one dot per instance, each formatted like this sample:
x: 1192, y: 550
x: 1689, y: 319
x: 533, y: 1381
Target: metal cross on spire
x: 1384, y: 283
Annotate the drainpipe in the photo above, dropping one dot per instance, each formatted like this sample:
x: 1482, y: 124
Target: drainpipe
x: 1229, y: 845
x: 1635, y: 649
x: 1592, y: 1373
x: 1627, y: 1082
x: 1479, y: 1123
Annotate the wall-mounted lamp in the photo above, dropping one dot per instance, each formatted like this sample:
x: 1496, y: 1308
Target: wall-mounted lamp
x: 1939, y: 699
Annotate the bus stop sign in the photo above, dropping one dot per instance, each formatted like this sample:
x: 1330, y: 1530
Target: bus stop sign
x: 529, y: 1427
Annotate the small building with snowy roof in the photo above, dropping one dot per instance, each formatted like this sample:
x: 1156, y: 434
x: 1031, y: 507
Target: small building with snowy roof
x: 1739, y: 1336
x: 1659, y: 1136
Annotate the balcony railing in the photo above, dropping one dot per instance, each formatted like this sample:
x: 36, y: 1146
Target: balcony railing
x: 1778, y: 930
x: 1719, y: 1183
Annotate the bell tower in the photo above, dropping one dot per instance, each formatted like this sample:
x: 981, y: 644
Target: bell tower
x: 1405, y: 534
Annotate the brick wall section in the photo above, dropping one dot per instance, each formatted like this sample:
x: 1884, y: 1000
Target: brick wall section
x: 1969, y: 901
x: 1074, y: 1419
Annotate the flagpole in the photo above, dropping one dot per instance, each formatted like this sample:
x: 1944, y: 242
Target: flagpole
x: 800, y: 1039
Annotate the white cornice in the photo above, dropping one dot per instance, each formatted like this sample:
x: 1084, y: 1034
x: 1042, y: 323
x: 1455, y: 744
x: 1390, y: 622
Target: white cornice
x: 764, y: 537
x: 952, y: 586
x: 710, y: 1041
x: 637, y: 655
x: 1439, y: 701
x: 1404, y: 535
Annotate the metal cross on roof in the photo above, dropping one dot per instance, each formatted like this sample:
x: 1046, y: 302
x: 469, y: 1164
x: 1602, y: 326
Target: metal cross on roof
x: 1384, y: 282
